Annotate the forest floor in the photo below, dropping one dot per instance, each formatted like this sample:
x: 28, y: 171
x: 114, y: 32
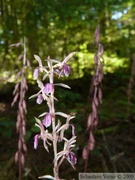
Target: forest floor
x: 115, y: 133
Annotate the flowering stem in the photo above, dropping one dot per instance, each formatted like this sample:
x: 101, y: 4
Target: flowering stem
x: 47, y: 93
x: 52, y: 111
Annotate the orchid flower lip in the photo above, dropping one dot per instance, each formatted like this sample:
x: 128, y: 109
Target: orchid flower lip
x: 73, y: 158
x: 66, y: 70
x: 48, y: 88
x: 47, y: 120
x: 39, y: 99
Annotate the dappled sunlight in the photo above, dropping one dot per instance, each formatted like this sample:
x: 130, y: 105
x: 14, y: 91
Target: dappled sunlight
x: 112, y: 63
x: 85, y: 64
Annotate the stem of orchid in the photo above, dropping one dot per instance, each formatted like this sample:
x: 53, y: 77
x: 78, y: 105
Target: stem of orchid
x: 52, y: 111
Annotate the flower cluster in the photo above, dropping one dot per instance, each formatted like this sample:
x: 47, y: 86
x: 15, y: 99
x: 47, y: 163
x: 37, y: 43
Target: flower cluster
x: 46, y: 93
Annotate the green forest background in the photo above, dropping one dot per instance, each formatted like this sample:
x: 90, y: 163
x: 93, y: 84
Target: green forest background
x: 56, y: 28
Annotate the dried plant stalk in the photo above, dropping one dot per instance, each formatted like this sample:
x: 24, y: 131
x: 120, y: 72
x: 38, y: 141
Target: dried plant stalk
x: 97, y: 96
x: 19, y: 95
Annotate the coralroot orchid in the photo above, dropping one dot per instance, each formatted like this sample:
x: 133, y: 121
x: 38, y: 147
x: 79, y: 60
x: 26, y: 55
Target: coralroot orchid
x: 46, y: 93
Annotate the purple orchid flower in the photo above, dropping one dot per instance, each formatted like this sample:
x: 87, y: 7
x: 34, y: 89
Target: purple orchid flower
x: 66, y: 70
x: 48, y: 89
x: 71, y: 157
x: 44, y: 135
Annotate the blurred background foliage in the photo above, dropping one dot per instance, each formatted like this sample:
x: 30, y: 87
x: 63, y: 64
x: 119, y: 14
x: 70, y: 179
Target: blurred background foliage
x: 58, y: 27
